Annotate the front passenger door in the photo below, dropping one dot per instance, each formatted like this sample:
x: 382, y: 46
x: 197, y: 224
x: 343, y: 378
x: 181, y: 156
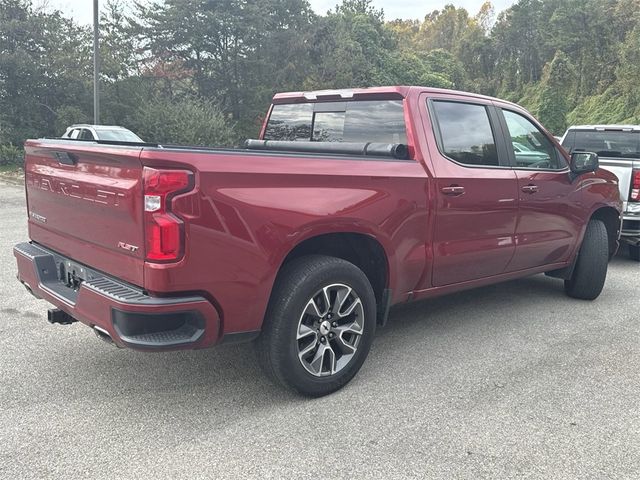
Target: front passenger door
x: 550, y: 215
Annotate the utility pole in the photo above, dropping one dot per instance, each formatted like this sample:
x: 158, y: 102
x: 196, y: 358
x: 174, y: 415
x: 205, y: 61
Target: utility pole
x: 96, y: 65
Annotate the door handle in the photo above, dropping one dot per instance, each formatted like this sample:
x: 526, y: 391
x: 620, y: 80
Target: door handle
x: 530, y: 188
x: 452, y: 190
x: 65, y: 158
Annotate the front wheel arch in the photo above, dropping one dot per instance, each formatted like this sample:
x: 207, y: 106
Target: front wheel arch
x: 590, y: 270
x: 612, y: 221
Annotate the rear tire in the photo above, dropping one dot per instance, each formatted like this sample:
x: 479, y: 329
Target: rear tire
x: 590, y: 271
x: 319, y: 325
x: 634, y: 252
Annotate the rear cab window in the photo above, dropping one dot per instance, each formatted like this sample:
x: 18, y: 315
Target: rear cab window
x: 621, y: 143
x: 359, y: 121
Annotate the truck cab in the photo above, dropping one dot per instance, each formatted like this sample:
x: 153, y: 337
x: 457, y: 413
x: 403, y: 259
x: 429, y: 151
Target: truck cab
x: 349, y: 202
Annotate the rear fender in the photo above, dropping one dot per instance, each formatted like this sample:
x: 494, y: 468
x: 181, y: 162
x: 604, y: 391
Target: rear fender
x: 345, y: 226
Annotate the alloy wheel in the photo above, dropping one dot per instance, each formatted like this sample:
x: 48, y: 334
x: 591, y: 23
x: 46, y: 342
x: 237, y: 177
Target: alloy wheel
x: 330, y: 329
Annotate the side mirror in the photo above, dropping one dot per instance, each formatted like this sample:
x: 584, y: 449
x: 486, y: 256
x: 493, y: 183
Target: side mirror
x: 583, y: 162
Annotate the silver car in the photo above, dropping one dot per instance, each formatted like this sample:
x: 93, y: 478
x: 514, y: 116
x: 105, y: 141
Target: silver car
x: 527, y: 156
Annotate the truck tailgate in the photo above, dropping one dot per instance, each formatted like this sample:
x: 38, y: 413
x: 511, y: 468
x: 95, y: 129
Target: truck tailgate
x: 85, y: 202
x: 623, y: 169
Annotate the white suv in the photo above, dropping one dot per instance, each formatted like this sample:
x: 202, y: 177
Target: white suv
x: 101, y: 132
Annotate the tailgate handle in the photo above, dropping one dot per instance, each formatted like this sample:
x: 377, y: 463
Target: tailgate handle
x: 452, y: 190
x: 65, y: 158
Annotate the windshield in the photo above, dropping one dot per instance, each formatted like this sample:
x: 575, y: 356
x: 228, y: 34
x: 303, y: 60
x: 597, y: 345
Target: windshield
x: 119, y: 135
x: 608, y: 143
x: 355, y: 121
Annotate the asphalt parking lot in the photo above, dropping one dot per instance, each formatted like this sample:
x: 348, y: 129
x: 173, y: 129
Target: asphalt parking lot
x: 513, y: 380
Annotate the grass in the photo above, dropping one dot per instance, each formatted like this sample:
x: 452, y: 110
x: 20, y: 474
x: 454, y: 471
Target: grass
x: 11, y: 174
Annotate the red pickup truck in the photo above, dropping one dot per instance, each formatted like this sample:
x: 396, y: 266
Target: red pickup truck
x: 351, y: 201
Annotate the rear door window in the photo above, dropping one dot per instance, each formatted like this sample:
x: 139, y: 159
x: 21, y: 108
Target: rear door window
x: 465, y: 134
x: 356, y: 121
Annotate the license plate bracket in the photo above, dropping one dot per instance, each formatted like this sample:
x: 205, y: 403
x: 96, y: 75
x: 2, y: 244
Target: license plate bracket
x: 72, y: 274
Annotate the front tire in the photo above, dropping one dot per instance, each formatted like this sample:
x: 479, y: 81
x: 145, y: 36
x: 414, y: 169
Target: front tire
x: 590, y: 271
x: 634, y: 252
x: 319, y: 325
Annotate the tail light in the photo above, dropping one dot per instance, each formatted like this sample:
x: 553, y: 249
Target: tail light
x: 163, y: 231
x: 634, y: 195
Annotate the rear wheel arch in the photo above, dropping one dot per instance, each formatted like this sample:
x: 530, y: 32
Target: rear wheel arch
x: 309, y: 342
x: 363, y: 250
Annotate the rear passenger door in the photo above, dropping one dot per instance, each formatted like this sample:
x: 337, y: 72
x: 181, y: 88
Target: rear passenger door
x: 476, y: 190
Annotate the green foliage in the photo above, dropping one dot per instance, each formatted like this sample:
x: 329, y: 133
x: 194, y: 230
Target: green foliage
x: 445, y: 64
x: 203, y: 71
x: 553, y: 110
x: 44, y: 65
x: 556, y: 91
x: 408, y: 68
x: 607, y: 107
x: 11, y: 155
x: 628, y: 70
x: 351, y: 48
x: 236, y: 53
x: 68, y: 115
x: 187, y: 121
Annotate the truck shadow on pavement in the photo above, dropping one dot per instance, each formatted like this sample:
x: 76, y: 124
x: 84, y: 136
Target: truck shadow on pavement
x: 196, y: 387
x: 231, y: 371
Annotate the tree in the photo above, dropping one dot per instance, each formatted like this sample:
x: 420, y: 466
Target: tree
x: 557, y: 86
x: 628, y: 70
x: 45, y: 65
x: 238, y: 51
x: 186, y: 121
x: 566, y: 60
x: 350, y: 48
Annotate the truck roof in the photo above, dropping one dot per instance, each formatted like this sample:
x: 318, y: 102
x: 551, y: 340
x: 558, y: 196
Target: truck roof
x: 98, y: 127
x: 633, y: 128
x: 400, y: 91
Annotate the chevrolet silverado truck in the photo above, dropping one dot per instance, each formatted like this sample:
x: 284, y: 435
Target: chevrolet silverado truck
x: 349, y: 202
x: 618, y: 147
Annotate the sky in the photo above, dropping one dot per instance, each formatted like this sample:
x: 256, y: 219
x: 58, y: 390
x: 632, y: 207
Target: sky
x: 81, y: 10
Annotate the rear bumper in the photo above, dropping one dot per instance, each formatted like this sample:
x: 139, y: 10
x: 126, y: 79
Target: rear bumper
x: 129, y: 316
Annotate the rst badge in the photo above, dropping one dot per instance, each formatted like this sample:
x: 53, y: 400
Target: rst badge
x: 127, y: 247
